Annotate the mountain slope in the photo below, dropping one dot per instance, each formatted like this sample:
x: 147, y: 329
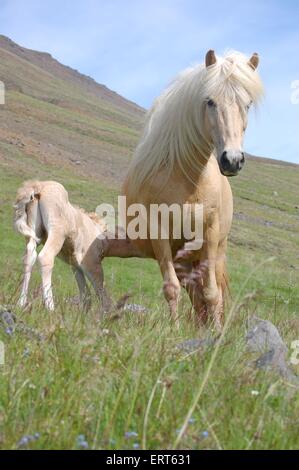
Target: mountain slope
x: 61, y: 117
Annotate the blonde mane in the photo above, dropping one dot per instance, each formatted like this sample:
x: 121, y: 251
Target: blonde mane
x: 174, y: 131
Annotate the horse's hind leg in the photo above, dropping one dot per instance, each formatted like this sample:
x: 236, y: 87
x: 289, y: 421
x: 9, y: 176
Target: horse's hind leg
x: 85, y: 296
x: 29, y: 260
x: 46, y: 260
x: 34, y: 221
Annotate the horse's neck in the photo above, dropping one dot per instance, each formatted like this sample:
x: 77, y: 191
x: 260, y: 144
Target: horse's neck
x: 198, y: 171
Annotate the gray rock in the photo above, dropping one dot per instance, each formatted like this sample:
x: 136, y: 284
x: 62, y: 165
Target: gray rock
x: 7, y: 317
x: 8, y: 321
x: 263, y: 338
x: 135, y: 308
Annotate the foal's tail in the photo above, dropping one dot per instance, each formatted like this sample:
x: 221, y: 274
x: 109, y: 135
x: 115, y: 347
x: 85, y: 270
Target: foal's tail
x: 26, y: 194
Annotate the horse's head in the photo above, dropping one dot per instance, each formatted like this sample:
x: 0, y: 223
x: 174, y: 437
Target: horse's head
x: 226, y: 119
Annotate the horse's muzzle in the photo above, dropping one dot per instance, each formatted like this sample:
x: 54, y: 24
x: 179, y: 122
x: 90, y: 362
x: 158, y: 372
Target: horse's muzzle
x: 231, y: 162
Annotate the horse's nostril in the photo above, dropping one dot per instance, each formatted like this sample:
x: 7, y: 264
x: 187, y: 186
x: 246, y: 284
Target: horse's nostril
x: 243, y: 158
x: 224, y: 161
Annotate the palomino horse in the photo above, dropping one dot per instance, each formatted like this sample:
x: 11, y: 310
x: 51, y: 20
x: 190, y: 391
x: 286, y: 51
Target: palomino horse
x: 191, y: 142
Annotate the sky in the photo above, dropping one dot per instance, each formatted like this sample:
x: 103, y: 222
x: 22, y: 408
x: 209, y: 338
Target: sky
x: 136, y: 47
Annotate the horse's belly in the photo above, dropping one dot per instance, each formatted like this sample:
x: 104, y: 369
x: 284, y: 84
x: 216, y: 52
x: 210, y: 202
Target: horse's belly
x: 144, y: 246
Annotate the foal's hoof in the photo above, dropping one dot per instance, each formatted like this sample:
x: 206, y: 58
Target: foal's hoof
x: 22, y: 303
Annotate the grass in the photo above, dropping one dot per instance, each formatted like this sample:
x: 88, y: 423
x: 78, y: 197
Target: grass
x: 121, y: 382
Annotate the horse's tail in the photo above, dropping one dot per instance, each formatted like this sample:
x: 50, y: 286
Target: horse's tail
x: 26, y: 195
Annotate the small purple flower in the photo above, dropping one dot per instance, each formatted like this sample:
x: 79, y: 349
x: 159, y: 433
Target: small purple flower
x: 136, y: 445
x: 25, y: 440
x: 205, y: 434
x: 82, y: 442
x: 130, y: 434
x: 191, y: 420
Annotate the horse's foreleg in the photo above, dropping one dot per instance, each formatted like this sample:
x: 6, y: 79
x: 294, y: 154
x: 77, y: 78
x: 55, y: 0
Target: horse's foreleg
x: 171, y: 285
x: 221, y: 279
x: 208, y: 261
x: 190, y: 276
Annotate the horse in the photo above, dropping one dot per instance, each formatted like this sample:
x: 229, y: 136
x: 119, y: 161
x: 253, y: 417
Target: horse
x: 191, y: 143
x: 44, y: 215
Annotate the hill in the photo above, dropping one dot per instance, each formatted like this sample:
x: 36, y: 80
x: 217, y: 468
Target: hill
x: 58, y: 116
x: 120, y: 382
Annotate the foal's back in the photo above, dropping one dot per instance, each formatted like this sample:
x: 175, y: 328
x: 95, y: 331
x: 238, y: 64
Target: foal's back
x: 78, y: 228
x: 54, y: 207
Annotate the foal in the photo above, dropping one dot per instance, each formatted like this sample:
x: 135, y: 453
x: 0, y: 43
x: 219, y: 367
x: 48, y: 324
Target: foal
x: 43, y: 214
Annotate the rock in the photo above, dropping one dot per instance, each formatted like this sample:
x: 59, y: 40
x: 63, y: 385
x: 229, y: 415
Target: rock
x: 196, y: 344
x: 263, y: 338
x: 8, y: 317
x: 135, y: 308
x: 263, y: 335
x: 8, y: 321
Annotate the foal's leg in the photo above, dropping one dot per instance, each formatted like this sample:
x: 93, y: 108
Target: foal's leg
x: 171, y: 286
x: 85, y: 296
x: 94, y: 271
x: 46, y: 260
x: 29, y: 260
x: 34, y: 221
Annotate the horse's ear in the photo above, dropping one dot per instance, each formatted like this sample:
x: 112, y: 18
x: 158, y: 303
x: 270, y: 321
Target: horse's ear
x: 210, y: 58
x: 254, y: 60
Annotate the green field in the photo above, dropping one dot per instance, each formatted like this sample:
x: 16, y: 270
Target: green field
x: 103, y: 378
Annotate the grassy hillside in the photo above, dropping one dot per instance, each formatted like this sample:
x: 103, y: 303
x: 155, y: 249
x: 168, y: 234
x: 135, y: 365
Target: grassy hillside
x: 105, y: 378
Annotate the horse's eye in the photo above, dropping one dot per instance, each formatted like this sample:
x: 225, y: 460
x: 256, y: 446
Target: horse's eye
x: 211, y: 103
x: 248, y: 106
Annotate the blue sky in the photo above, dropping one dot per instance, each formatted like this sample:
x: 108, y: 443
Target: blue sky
x: 137, y: 47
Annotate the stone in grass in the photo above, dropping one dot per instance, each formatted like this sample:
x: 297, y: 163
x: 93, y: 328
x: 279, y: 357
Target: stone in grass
x: 196, y: 344
x: 263, y: 337
x: 136, y: 308
x: 7, y: 321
